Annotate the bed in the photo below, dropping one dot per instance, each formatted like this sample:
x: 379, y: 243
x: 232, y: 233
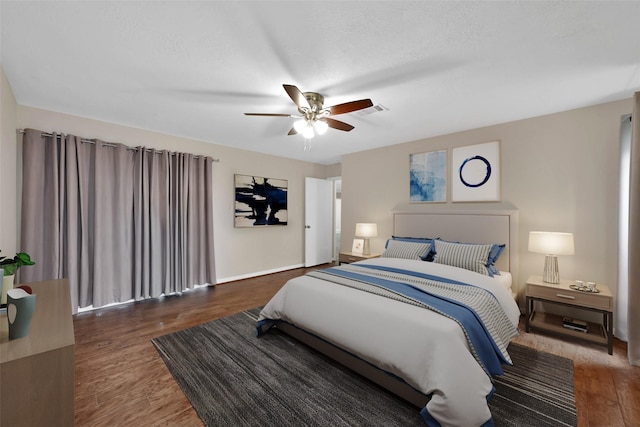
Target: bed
x: 404, y: 320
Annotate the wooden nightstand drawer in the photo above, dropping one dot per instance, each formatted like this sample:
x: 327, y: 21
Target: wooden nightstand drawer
x: 346, y: 259
x: 567, y: 295
x: 349, y: 257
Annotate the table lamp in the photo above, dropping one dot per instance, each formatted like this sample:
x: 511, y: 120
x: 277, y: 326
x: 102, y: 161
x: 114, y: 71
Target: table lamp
x: 551, y: 244
x: 366, y: 230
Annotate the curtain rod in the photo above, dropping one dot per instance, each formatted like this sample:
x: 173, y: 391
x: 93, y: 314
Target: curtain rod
x: 106, y: 144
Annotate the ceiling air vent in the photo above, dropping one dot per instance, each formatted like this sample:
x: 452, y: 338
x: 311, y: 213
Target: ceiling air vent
x: 373, y: 109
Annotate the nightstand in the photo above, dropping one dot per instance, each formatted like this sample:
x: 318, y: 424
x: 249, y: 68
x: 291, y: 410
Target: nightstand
x: 562, y: 294
x: 349, y: 257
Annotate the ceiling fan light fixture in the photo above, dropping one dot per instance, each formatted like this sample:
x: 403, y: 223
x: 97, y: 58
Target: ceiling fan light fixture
x: 300, y: 125
x: 321, y: 126
x: 308, y: 132
x: 314, y: 118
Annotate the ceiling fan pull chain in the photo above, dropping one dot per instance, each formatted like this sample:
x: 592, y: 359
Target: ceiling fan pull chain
x: 307, y: 144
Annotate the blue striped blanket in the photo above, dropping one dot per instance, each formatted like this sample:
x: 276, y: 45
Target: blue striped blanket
x: 486, y: 326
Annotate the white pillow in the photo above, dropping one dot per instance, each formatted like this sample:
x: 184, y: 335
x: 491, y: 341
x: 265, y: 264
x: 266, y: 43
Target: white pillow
x: 504, y: 278
x: 406, y: 250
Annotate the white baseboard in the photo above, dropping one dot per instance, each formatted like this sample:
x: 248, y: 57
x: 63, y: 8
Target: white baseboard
x: 258, y: 273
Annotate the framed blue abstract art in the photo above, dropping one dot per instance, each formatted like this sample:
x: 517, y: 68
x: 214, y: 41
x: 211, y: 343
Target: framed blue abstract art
x: 260, y: 201
x: 476, y: 173
x: 428, y: 176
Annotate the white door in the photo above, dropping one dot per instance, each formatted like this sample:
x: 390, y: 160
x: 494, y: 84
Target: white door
x: 318, y: 232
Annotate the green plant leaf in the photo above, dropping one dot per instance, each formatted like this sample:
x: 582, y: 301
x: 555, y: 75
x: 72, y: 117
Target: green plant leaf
x: 9, y: 269
x: 23, y: 258
x: 11, y: 265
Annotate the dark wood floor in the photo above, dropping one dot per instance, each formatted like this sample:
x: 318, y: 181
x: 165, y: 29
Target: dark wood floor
x: 121, y: 380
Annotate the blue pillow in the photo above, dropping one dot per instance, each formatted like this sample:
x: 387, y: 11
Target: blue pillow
x: 430, y: 254
x: 494, y: 254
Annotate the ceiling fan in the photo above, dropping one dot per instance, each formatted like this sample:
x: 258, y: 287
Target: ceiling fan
x: 314, y: 117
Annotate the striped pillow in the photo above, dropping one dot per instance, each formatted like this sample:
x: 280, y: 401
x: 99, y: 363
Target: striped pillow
x: 406, y: 250
x: 429, y: 256
x: 467, y: 256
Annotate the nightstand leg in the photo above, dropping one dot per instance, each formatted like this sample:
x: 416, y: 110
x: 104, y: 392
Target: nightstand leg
x: 528, y: 309
x: 608, y: 319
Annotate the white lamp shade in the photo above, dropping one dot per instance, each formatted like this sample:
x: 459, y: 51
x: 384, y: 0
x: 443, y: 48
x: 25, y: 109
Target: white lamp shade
x: 364, y: 229
x: 321, y: 127
x: 551, y: 243
x: 308, y: 132
x: 300, y: 125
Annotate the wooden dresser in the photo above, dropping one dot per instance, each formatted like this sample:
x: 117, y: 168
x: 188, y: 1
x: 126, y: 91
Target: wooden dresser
x: 37, y: 371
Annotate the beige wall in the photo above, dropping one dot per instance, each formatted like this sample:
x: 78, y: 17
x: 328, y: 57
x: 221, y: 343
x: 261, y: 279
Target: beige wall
x: 8, y: 176
x: 334, y: 170
x: 560, y: 171
x: 240, y: 252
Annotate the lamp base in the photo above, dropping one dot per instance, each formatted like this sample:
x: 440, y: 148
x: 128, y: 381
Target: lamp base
x: 551, y: 273
x: 366, y: 249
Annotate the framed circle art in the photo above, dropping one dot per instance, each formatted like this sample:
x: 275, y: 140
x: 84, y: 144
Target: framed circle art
x: 476, y: 173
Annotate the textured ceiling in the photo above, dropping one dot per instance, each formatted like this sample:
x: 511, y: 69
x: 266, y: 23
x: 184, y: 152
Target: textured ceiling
x: 193, y: 68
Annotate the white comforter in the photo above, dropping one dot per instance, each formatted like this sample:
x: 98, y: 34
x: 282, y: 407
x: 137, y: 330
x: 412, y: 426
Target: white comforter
x: 425, y: 349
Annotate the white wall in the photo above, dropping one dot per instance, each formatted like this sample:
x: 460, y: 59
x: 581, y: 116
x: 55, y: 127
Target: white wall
x: 560, y: 171
x: 240, y: 252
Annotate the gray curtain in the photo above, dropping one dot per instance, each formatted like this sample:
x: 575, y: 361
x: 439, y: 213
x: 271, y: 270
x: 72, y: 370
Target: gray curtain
x: 121, y: 223
x: 633, y: 345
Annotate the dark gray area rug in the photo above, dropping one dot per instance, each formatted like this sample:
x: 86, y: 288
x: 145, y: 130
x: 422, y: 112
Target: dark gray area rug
x: 233, y: 378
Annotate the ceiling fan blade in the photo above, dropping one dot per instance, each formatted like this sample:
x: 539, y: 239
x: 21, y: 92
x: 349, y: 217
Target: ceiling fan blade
x: 348, y: 107
x: 293, y: 131
x: 268, y: 114
x: 297, y: 96
x: 337, y: 124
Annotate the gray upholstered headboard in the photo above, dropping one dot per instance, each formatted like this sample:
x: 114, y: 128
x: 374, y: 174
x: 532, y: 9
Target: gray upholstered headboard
x: 473, y: 226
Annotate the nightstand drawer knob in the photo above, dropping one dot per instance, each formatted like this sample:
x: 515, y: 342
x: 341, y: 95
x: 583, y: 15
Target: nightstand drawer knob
x: 565, y: 296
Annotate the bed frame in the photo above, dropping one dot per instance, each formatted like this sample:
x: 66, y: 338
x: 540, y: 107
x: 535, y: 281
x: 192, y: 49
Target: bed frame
x: 470, y: 226
x: 473, y: 226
